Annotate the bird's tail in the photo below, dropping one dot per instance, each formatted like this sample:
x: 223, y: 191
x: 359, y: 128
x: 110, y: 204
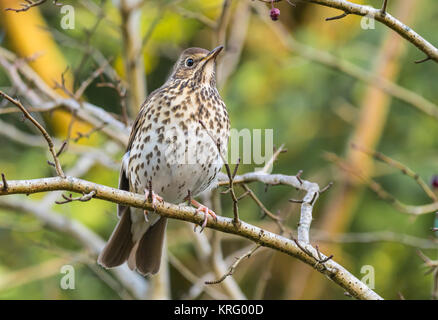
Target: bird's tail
x: 120, y: 244
x: 142, y: 250
x: 145, y: 256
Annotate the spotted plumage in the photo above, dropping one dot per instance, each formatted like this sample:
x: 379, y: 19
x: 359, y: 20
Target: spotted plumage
x: 174, y: 146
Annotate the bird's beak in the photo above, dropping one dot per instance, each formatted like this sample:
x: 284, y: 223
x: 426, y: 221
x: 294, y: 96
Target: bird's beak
x: 213, y: 53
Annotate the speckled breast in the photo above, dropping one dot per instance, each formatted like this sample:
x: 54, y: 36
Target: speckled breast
x: 172, y: 148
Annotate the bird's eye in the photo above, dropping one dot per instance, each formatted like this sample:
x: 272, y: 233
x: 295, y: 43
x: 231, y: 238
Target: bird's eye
x: 189, y: 62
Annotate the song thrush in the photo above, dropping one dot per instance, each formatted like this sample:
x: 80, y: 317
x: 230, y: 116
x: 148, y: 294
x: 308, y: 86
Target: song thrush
x: 175, y: 146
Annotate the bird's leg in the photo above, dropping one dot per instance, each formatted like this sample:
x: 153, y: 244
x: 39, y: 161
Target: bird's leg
x: 201, y: 208
x: 155, y: 199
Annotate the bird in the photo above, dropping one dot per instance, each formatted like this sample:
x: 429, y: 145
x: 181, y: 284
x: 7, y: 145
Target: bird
x: 176, y: 149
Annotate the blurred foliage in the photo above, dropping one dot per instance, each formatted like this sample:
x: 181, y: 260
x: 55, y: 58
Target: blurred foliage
x: 271, y: 88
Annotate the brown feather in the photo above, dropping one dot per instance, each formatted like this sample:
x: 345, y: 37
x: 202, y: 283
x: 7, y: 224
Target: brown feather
x: 150, y: 246
x: 120, y: 243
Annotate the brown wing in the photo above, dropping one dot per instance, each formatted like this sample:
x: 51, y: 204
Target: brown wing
x: 139, y: 120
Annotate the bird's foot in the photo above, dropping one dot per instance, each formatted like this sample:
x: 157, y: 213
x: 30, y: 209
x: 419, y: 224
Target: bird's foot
x: 206, y: 211
x: 155, y: 198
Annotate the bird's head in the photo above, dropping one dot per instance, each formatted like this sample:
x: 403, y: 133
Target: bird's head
x: 197, y: 64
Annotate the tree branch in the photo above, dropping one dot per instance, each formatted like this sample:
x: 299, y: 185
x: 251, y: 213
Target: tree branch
x: 312, y: 193
x: 90, y: 240
x: 131, y: 14
x: 26, y: 6
x: 47, y: 100
x: 331, y: 269
x: 325, y: 58
x: 43, y: 131
x: 233, y: 267
x: 385, y: 18
x: 381, y: 192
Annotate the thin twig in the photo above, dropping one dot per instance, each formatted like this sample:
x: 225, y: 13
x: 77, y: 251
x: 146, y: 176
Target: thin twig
x: 88, y: 48
x: 81, y: 135
x: 69, y: 227
x: 423, y: 60
x: 269, y: 165
x: 121, y: 91
x: 344, y: 66
x: 197, y: 16
x: 66, y: 142
x: 231, y: 176
x: 400, y: 166
x: 234, y: 266
x: 384, y: 6
x: 187, y: 273
x: 264, y: 278
x: 48, y: 100
x: 84, y: 85
x: 29, y: 4
x: 222, y: 23
x: 336, y: 272
x: 337, y: 17
x: 330, y: 184
x: 40, y: 128
x: 5, y: 183
x: 236, y: 220
x: 277, y: 219
x: 319, y: 259
x: 383, y: 17
x: 381, y: 192
x: 433, y: 268
x: 84, y: 198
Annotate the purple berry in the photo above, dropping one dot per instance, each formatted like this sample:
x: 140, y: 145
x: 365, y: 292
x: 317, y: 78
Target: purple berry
x: 274, y: 13
x: 434, y: 182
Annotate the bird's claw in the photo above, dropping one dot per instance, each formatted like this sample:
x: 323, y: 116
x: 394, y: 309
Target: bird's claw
x: 155, y: 198
x: 206, y: 211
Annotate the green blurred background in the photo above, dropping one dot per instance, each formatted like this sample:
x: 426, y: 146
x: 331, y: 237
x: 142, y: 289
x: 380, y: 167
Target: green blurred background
x: 313, y: 109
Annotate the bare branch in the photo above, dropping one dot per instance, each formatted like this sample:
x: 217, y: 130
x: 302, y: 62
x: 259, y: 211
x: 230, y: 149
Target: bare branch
x: 84, y: 85
x: 132, y: 46
x: 230, y: 176
x: 337, y: 17
x: 277, y: 219
x: 89, y: 240
x: 433, y: 268
x: 47, y: 100
x: 385, y: 18
x: 86, y: 197
x: 381, y: 192
x: 29, y: 4
x: 121, y: 91
x: 81, y: 135
x: 334, y: 271
x: 197, y: 16
x: 384, y: 6
x: 234, y: 265
x: 222, y: 23
x: 423, y: 60
x: 40, y: 128
x: 219, y: 266
x: 312, y: 193
x: 186, y: 273
x: 338, y: 64
x: 400, y: 166
x: 5, y: 183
